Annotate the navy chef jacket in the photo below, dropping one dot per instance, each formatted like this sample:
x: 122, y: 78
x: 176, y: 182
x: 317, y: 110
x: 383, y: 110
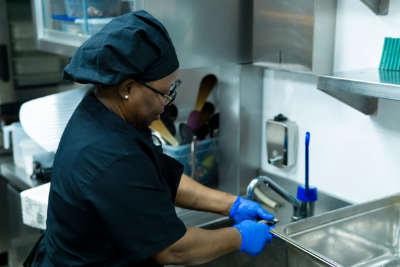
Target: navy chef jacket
x: 112, y: 193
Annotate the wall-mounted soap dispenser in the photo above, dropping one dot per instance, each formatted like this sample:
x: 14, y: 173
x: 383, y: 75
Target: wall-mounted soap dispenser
x: 282, y: 135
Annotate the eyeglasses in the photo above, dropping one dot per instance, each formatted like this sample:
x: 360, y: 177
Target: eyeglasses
x: 168, y: 98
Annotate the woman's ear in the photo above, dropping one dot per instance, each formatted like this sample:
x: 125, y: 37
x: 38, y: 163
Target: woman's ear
x: 124, y: 88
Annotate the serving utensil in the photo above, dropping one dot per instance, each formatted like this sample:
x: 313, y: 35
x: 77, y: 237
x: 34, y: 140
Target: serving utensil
x: 206, y: 86
x: 159, y: 126
x: 170, y: 112
x: 186, y: 133
x: 206, y: 112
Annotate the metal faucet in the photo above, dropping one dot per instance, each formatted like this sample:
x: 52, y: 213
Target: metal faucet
x: 299, y: 211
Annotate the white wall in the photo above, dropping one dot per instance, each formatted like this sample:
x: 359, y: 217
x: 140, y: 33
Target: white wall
x: 352, y: 156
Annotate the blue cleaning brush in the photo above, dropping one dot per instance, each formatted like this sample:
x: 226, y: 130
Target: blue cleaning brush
x: 305, y: 194
x: 307, y: 166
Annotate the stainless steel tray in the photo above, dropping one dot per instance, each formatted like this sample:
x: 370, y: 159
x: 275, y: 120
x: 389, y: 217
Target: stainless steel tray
x: 361, y: 235
x: 23, y: 45
x: 37, y: 79
x: 39, y: 65
x: 21, y: 29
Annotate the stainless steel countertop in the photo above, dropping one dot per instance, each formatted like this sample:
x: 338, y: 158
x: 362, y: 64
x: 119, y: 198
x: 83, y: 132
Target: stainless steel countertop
x: 284, y: 213
x: 274, y: 254
x: 18, y: 178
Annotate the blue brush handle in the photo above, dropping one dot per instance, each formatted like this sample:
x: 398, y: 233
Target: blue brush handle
x: 307, y: 145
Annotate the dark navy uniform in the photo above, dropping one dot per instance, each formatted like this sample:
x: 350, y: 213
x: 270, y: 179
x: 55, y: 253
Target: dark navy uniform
x: 112, y: 193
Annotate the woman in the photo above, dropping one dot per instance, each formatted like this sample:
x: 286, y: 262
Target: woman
x: 113, y: 191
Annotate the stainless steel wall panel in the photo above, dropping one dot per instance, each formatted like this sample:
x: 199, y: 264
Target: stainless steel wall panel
x: 188, y: 90
x: 241, y: 95
x: 251, y: 104
x: 283, y: 33
x: 324, y: 36
x: 295, y: 35
x: 207, y: 32
x: 204, y: 33
x: 229, y: 141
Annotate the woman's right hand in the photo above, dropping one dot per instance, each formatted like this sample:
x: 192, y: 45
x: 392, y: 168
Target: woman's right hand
x: 254, y: 236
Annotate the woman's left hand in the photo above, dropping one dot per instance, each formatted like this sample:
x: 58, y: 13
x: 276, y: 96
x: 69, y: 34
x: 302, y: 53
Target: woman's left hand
x: 244, y: 209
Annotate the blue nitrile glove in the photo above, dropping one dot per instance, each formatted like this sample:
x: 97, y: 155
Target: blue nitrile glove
x: 254, y: 236
x: 244, y: 209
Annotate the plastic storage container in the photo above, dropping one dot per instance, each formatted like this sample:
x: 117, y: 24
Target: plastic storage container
x: 206, y: 159
x: 34, y: 202
x: 77, y: 26
x: 95, y: 8
x: 32, y: 152
x: 17, y: 134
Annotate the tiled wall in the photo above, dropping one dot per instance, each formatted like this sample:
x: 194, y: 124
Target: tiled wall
x: 352, y: 156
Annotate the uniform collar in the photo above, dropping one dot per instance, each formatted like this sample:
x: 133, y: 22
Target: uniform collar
x: 108, y: 118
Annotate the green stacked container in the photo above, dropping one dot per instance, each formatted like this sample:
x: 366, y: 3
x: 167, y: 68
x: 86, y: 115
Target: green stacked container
x: 390, y: 59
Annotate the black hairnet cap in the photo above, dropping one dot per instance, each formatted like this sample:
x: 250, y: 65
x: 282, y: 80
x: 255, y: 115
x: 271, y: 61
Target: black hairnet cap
x: 131, y: 46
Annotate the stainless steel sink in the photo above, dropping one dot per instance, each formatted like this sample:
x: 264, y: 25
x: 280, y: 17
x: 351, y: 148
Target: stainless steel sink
x: 274, y: 254
x: 362, y: 235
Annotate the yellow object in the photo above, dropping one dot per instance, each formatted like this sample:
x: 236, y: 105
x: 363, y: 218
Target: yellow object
x: 159, y: 126
x: 206, y: 86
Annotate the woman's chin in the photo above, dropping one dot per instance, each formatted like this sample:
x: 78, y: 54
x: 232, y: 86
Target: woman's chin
x: 149, y: 121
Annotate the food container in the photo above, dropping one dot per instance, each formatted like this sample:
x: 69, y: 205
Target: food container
x: 206, y: 159
x: 94, y: 25
x: 17, y: 133
x: 34, y: 202
x: 32, y: 152
x: 95, y: 8
x: 77, y: 26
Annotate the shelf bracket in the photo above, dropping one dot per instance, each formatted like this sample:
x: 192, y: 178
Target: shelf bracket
x: 379, y: 7
x: 365, y: 104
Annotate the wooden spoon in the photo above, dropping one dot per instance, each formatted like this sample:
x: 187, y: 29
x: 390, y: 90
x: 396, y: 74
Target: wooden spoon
x: 159, y: 126
x: 206, y: 112
x: 206, y: 86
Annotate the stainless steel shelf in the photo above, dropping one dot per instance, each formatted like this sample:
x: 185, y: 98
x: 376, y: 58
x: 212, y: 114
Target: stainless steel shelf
x: 379, y: 7
x: 362, y: 88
